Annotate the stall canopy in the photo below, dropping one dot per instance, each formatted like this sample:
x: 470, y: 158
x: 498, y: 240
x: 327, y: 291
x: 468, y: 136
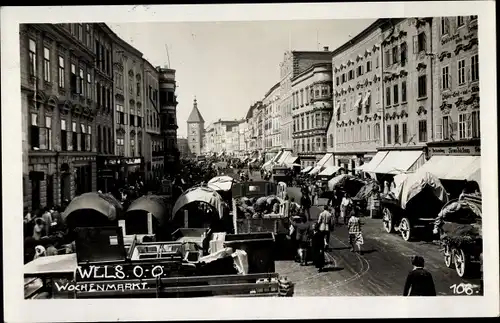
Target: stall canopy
x: 283, y: 157
x: 412, y: 184
x: 372, y: 164
x: 455, y: 167
x: 324, y: 160
x: 156, y: 205
x: 291, y: 161
x: 329, y: 171
x: 199, y: 194
x: 315, y: 170
x: 398, y: 161
x: 306, y: 170
x: 103, y: 208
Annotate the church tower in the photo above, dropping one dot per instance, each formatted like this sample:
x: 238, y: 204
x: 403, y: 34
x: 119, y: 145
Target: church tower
x: 195, y: 127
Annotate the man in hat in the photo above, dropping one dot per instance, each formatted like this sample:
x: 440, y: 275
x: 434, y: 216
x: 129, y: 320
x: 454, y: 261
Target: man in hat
x: 419, y: 281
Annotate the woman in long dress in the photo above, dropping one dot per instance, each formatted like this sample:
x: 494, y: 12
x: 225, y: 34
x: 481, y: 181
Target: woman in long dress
x: 318, y: 248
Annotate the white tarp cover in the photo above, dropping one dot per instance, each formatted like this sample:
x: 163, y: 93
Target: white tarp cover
x: 307, y: 169
x: 221, y: 179
x: 329, y: 171
x: 413, y: 183
x: 340, y: 180
x: 61, y: 264
x: 199, y: 194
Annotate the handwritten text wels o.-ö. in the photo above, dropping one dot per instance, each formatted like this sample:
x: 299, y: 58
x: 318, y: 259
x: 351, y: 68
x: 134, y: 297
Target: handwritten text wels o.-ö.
x: 117, y: 272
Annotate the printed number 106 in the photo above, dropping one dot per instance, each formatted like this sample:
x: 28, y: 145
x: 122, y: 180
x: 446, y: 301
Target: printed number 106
x: 462, y: 289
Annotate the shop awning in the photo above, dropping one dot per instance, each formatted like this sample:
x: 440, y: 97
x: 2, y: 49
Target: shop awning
x: 315, y: 170
x: 283, y: 157
x: 307, y: 169
x: 324, y: 160
x: 290, y: 160
x: 372, y: 164
x: 398, y: 161
x: 455, y: 167
x: 366, y: 98
x: 329, y: 171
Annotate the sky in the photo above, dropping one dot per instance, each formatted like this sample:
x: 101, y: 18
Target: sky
x: 228, y: 66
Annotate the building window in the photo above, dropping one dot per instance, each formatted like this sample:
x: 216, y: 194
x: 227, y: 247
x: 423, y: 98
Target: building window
x: 138, y: 89
x: 461, y: 71
x: 396, y: 94
x: 89, y: 38
x: 376, y: 131
x: 46, y: 64
x: 403, y: 92
x: 388, y: 96
x: 89, y: 86
x: 396, y: 134
x: 73, y: 80
x: 476, y: 124
x: 404, y: 54
x: 74, y: 136
x: 301, y: 97
x: 81, y: 81
x: 61, y: 72
x: 132, y: 147
x: 83, y: 137
x: 34, y: 132
x: 446, y: 128
x: 387, y: 58
x: 445, y: 77
x: 360, y: 70
x: 89, y: 138
x: 120, y: 146
x: 422, y: 86
x: 422, y: 130
x: 475, y: 67
x: 445, y: 26
x: 132, y: 120
x: 80, y: 32
x: 368, y: 66
x: 419, y: 43
x: 395, y: 54
x: 120, y: 114
x: 337, y: 81
x: 32, y: 57
x: 48, y: 132
x: 130, y: 87
x: 98, y: 94
x: 64, y: 136
x: 460, y: 21
x: 389, y: 135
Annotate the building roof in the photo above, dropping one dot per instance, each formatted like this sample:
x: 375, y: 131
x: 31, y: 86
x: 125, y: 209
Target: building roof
x: 195, y: 116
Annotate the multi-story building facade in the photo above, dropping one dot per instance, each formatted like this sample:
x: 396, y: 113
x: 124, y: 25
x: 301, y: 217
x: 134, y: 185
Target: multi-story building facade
x: 184, y: 149
x: 195, y: 128
x: 129, y: 109
x: 271, y: 106
x: 225, y: 136
x: 168, y: 119
x: 354, y: 133
x: 209, y: 139
x: 455, y: 149
x: 103, y: 49
x: 59, y: 112
x: 251, y: 133
x: 153, y: 140
x: 294, y: 63
x: 242, y: 137
x: 311, y: 111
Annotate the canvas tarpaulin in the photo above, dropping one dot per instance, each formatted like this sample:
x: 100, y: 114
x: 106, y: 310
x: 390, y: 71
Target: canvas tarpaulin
x: 413, y: 183
x: 199, y: 194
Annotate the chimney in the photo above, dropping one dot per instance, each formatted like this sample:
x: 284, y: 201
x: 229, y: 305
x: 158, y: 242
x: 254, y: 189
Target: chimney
x: 325, y: 48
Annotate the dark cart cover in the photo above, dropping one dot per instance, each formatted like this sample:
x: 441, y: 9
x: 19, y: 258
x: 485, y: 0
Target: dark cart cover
x: 96, y: 207
x: 154, y: 204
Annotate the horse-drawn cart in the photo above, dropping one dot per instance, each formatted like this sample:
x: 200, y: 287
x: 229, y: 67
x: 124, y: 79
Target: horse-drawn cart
x: 413, y: 204
x: 460, y: 225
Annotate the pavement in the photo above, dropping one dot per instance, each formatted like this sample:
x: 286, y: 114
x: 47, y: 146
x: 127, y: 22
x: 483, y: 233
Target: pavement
x: 381, y: 269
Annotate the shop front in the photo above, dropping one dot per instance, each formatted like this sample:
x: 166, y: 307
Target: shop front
x: 456, y: 164
x: 126, y: 170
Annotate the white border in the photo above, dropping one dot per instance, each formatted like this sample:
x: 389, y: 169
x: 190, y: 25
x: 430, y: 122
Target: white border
x: 17, y: 309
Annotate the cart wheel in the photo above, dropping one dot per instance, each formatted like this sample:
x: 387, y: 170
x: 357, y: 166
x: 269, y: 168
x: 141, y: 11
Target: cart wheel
x: 405, y: 229
x: 461, y: 262
x: 448, y: 259
x: 387, y: 220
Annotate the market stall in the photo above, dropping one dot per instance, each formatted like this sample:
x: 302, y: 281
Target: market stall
x: 92, y: 209
x: 136, y: 216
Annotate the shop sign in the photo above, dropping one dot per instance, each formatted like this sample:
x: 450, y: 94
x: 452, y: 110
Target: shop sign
x: 457, y: 150
x: 132, y: 161
x: 457, y: 38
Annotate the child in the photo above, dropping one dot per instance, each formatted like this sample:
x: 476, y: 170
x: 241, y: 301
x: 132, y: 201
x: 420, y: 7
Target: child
x: 355, y: 234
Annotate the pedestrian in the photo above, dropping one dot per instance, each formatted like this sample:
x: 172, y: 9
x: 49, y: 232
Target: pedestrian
x: 318, y: 248
x: 312, y: 189
x: 302, y: 237
x: 305, y: 201
x: 419, y: 281
x: 355, y: 234
x: 325, y: 225
x: 345, y: 207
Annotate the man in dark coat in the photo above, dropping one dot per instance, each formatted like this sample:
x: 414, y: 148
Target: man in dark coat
x: 419, y: 281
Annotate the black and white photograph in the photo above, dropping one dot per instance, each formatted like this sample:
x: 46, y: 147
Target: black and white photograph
x: 256, y: 157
